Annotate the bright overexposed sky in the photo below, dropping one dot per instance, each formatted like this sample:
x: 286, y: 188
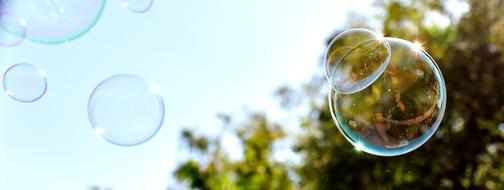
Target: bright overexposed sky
x: 206, y: 56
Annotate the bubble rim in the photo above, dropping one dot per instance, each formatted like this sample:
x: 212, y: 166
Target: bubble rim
x: 159, y: 97
x: 414, y: 144
x: 139, y: 11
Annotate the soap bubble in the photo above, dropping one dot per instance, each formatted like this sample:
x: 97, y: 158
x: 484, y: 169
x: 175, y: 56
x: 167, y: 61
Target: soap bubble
x: 12, y: 30
x: 354, y: 59
x: 126, y: 110
x: 54, y: 21
x: 25, y: 82
x: 138, y: 6
x: 400, y: 110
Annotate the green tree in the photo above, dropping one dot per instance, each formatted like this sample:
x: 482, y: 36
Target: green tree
x: 466, y: 152
x: 257, y: 170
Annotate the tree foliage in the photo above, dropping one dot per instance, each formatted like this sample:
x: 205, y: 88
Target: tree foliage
x: 257, y: 170
x: 466, y: 152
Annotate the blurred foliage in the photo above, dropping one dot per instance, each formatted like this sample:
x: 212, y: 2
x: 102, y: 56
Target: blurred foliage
x: 98, y: 188
x: 466, y: 152
x: 255, y: 171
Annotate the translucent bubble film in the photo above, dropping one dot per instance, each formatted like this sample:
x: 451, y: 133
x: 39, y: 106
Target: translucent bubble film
x: 354, y: 59
x: 25, y: 82
x: 54, y: 21
x: 400, y: 110
x: 126, y: 110
x: 138, y: 6
x: 12, y: 30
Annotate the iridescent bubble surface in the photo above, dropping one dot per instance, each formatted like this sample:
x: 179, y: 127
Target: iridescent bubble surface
x: 138, y: 6
x: 399, y: 111
x: 25, y: 82
x: 354, y: 59
x: 126, y: 110
x: 55, y: 21
x: 12, y: 30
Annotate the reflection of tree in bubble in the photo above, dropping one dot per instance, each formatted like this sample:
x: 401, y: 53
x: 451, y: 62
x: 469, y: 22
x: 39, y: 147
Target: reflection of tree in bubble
x: 399, y: 111
x: 354, y: 59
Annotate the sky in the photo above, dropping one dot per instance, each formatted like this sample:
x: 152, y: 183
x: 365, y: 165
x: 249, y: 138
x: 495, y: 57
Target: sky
x: 207, y: 57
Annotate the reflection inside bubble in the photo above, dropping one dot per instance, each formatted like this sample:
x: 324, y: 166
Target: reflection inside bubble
x: 400, y: 110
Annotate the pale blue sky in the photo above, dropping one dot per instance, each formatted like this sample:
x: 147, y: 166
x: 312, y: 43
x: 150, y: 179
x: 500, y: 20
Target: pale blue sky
x: 206, y: 56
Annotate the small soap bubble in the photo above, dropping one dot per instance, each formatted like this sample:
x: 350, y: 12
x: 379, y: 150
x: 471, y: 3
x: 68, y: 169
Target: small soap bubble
x: 12, y: 30
x: 400, y: 110
x: 25, y: 82
x: 138, y: 6
x: 126, y: 110
x: 354, y: 59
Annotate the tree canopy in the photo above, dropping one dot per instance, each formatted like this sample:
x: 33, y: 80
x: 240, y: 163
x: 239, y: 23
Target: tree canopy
x: 466, y: 152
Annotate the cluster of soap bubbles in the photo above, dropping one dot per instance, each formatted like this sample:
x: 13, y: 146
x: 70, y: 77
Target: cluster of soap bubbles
x: 124, y: 109
x: 387, y: 95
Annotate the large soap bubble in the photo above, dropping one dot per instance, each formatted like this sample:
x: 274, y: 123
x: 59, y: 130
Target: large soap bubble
x: 400, y: 110
x: 355, y: 59
x: 54, y: 21
x: 126, y: 110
